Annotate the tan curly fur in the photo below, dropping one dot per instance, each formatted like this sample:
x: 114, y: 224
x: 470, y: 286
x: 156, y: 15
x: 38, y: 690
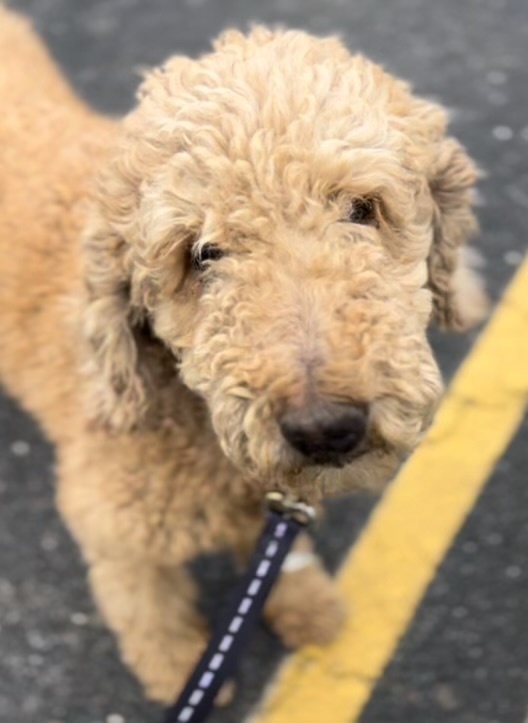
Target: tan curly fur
x: 160, y: 383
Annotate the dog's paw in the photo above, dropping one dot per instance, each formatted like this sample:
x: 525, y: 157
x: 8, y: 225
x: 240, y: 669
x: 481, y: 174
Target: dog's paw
x: 305, y: 608
x: 166, y: 681
x: 164, y: 671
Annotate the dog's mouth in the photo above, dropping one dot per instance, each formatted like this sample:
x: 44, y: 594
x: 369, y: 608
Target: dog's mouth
x: 295, y: 464
x: 289, y: 463
x: 335, y: 460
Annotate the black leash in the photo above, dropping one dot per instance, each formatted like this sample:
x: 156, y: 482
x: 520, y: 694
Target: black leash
x: 285, y: 520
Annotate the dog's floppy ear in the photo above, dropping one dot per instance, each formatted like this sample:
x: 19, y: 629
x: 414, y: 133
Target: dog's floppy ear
x: 122, y: 359
x: 459, y: 299
x: 134, y: 245
x: 111, y: 326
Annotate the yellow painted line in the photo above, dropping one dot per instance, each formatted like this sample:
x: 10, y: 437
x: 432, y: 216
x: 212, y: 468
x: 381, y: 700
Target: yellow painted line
x: 388, y: 571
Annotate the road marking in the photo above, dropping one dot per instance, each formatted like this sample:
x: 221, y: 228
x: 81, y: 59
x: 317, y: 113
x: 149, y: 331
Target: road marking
x: 388, y: 571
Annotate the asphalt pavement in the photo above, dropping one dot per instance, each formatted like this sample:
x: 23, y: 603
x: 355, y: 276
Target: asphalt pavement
x: 465, y: 657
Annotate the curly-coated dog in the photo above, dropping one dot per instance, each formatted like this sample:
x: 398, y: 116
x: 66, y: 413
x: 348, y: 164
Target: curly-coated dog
x: 237, y: 303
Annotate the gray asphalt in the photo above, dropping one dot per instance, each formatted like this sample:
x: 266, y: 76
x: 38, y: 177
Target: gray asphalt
x: 465, y: 658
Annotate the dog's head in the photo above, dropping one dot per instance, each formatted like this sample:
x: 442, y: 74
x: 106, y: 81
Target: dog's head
x: 287, y: 219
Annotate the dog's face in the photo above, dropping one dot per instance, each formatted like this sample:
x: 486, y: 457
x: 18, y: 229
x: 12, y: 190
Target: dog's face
x: 287, y: 217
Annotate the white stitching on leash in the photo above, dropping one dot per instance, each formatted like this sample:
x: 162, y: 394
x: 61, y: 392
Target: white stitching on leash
x: 296, y: 561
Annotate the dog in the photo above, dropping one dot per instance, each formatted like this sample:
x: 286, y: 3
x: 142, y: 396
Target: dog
x: 227, y: 292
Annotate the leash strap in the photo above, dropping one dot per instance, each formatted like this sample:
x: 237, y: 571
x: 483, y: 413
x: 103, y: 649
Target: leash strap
x: 218, y: 662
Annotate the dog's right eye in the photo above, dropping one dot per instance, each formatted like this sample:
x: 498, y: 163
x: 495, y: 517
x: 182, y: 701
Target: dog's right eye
x: 362, y: 211
x: 203, y: 255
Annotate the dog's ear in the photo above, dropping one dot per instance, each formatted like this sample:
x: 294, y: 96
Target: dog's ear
x: 121, y: 356
x: 459, y: 299
x: 134, y: 246
x: 111, y: 326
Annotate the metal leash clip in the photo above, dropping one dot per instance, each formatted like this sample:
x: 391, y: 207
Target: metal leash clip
x: 303, y: 513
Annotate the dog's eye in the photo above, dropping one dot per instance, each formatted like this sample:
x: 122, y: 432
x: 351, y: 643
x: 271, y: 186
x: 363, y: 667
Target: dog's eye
x: 362, y: 211
x: 204, y: 255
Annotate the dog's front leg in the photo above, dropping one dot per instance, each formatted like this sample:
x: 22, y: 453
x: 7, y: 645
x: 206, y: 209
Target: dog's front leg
x: 305, y: 606
x: 139, y: 515
x: 152, y: 611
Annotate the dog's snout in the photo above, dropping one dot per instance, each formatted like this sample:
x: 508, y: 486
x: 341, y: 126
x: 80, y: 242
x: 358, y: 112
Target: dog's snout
x: 324, y: 433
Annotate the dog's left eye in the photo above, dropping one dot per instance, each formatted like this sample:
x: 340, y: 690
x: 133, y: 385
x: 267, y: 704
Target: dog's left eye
x: 362, y: 211
x: 205, y: 254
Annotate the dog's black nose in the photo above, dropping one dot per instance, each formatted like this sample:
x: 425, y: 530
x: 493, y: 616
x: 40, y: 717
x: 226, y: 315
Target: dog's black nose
x: 324, y: 433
